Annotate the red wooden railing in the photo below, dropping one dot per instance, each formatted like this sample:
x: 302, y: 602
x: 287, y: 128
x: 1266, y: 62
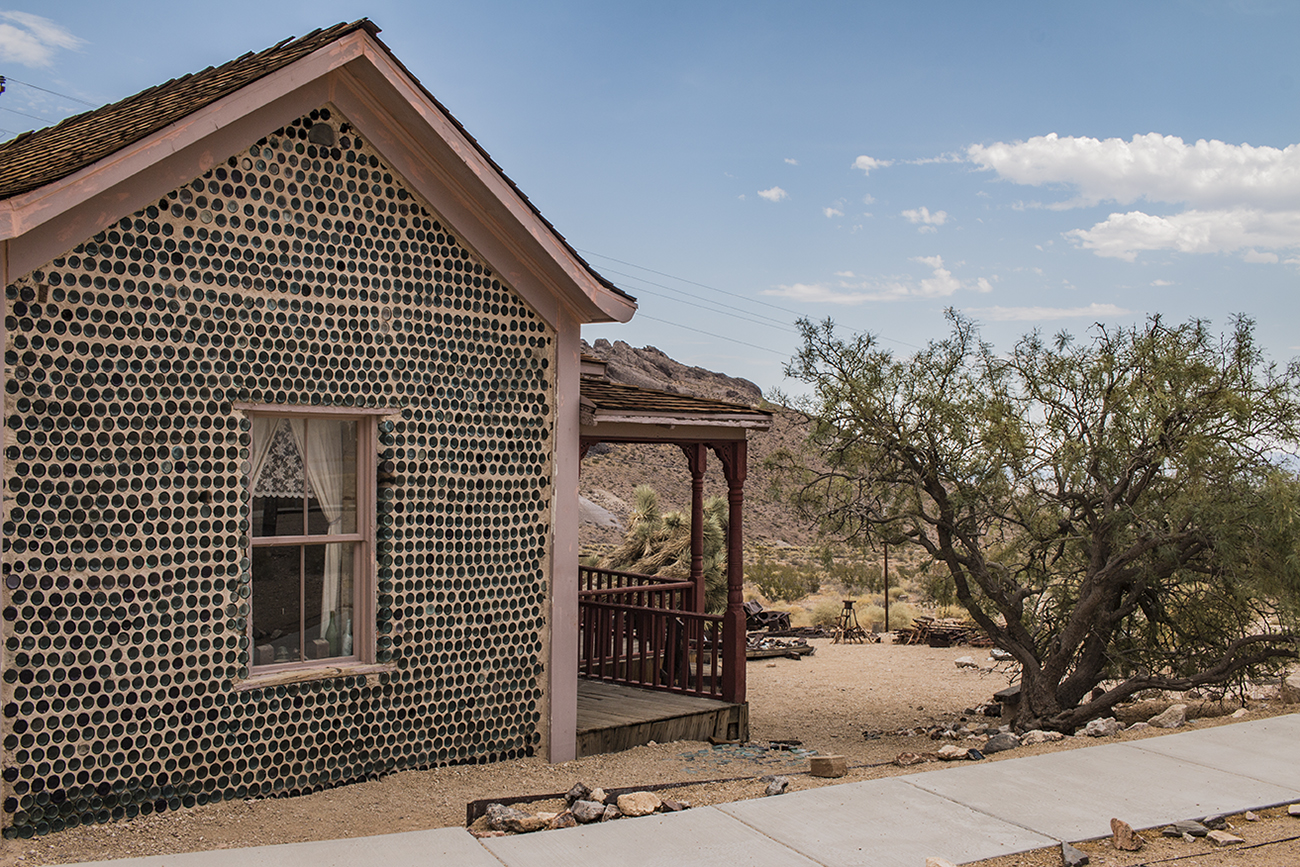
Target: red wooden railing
x: 640, y: 630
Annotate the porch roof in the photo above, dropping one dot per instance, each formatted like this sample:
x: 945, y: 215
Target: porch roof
x: 612, y: 411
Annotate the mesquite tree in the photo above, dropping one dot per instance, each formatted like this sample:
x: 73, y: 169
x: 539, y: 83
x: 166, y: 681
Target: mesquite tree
x: 1117, y: 512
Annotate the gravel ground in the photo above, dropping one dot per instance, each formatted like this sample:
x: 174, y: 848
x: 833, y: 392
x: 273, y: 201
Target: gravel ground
x: 826, y: 701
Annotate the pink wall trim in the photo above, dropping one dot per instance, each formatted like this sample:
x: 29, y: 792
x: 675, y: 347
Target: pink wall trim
x: 563, y: 663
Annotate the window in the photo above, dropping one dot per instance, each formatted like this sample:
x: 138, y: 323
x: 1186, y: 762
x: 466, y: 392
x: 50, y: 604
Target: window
x: 311, y: 489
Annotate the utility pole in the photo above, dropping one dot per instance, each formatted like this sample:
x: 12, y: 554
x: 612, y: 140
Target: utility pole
x: 886, y: 586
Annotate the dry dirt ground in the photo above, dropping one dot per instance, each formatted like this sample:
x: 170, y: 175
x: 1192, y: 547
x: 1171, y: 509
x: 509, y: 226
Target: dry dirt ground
x: 826, y: 701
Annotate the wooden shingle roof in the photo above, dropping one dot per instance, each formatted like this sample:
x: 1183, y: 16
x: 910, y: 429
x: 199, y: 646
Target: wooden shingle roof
x: 602, y: 396
x: 35, y: 159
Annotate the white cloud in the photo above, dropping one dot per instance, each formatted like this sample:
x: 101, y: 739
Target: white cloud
x: 1236, y: 196
x: 792, y: 161
x: 832, y: 212
x: 868, y: 199
x: 927, y: 220
x: 1123, y: 236
x: 1037, y: 314
x: 775, y: 194
x: 849, y: 290
x: 867, y: 163
x: 1256, y: 257
x: 1162, y: 282
x: 1152, y: 167
x: 32, y: 40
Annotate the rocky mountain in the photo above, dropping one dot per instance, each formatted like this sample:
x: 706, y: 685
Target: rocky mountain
x: 611, y: 472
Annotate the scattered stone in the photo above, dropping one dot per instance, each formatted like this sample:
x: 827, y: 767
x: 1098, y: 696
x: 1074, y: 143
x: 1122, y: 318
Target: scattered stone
x: 974, y: 755
x: 587, y: 811
x: 828, y: 766
x: 1000, y: 742
x: 951, y: 753
x: 1123, y: 837
x: 503, y: 818
x: 671, y: 806
x: 562, y: 820
x: 1251, y: 816
x: 1293, y: 810
x: 1138, y: 726
x: 1102, y: 728
x: 905, y: 759
x: 1187, y: 826
x: 579, y: 792
x: 1072, y: 857
x: 487, y: 833
x: 638, y: 803
x: 611, y: 812
x: 1188, y: 838
x: 966, y: 662
x: 1171, y: 718
x: 481, y: 828
x: 1038, y: 736
x: 938, y: 862
x: 1240, y: 712
x: 999, y: 654
x: 1223, y: 838
x: 597, y: 794
x: 1217, y: 822
x: 778, y: 786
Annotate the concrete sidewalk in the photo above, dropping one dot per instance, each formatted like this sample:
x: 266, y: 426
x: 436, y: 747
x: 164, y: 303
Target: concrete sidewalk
x: 964, y: 813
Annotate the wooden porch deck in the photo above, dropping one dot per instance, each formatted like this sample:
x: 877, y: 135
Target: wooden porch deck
x: 612, y: 717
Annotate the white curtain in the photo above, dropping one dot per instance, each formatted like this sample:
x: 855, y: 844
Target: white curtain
x: 263, y: 435
x: 323, y: 460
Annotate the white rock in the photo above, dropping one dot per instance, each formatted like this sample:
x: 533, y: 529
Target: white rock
x: 1171, y: 718
x: 638, y: 803
x: 1138, y: 726
x: 966, y: 662
x: 951, y: 753
x: 1038, y: 736
x: 938, y: 862
x: 1102, y: 728
x: 1240, y: 712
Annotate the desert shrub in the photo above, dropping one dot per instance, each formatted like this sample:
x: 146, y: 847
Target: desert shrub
x: 782, y: 582
x: 826, y: 613
x: 869, y: 614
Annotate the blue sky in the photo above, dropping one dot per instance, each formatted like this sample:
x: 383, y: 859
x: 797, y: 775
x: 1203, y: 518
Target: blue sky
x: 737, y: 165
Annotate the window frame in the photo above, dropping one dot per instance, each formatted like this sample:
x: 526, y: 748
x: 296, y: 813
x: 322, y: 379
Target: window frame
x: 365, y: 582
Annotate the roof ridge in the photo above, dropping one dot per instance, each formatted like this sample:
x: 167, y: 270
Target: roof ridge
x: 48, y: 154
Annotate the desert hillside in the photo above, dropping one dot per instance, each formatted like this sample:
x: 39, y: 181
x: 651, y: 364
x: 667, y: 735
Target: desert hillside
x: 611, y: 472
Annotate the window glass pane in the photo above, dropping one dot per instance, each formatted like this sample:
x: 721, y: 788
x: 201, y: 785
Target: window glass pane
x: 277, y: 615
x: 328, y: 594
x: 279, y: 483
x: 331, y: 470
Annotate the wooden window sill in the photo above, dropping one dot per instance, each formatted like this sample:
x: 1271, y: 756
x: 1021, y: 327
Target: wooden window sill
x: 370, y: 670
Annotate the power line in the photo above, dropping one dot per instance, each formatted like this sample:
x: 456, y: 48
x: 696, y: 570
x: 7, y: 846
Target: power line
x: 47, y: 90
x: 711, y: 334
x: 692, y: 282
x: 24, y: 114
x: 744, y: 298
x: 778, y: 323
x: 724, y: 312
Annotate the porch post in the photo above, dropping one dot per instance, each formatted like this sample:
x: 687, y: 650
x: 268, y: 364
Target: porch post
x: 696, y: 459
x: 734, y: 456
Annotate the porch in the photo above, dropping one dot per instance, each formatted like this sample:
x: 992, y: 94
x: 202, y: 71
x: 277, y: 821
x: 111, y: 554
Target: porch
x: 613, y: 717
x: 653, y: 663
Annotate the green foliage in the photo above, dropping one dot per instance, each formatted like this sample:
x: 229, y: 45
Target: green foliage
x: 782, y: 582
x: 1114, y: 509
x: 659, y: 543
x: 826, y: 613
